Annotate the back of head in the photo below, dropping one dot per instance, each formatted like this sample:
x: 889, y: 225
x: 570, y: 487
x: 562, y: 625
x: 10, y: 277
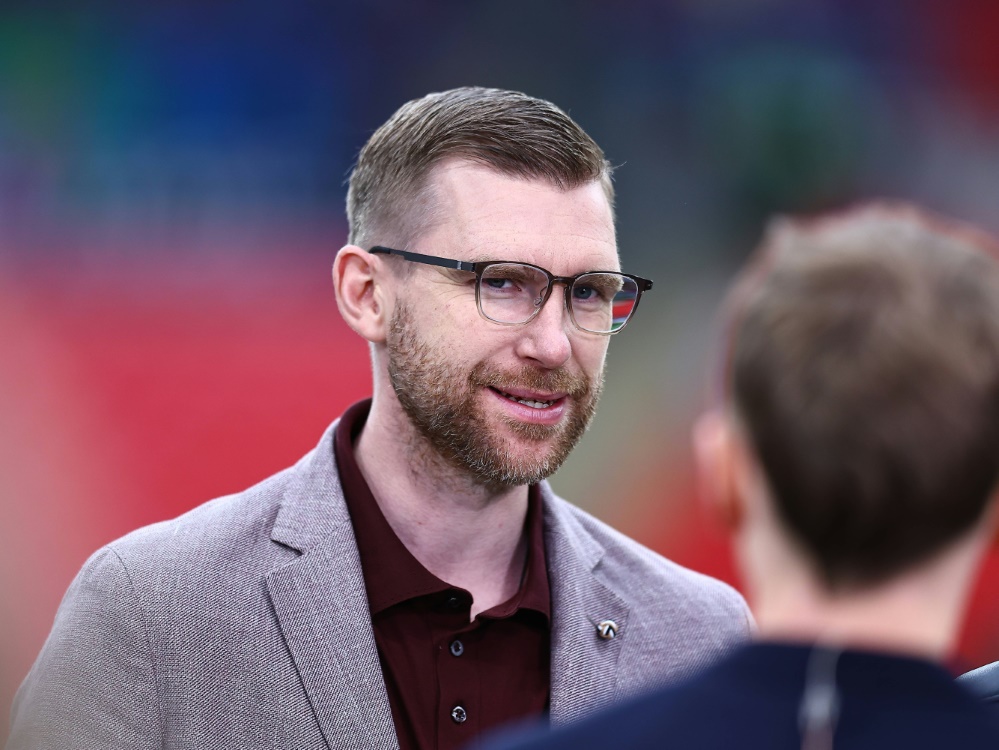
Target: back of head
x: 515, y: 134
x: 864, y: 367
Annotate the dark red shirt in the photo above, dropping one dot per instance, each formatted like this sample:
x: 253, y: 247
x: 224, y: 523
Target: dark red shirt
x: 448, y: 679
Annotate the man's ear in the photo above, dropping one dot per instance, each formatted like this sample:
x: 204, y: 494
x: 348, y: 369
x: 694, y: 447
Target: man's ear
x: 358, y: 281
x: 717, y: 454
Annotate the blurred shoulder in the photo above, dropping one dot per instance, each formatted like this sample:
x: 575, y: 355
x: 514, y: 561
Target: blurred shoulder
x: 686, y: 713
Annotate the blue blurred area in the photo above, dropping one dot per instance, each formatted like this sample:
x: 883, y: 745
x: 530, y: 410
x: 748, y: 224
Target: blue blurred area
x: 167, y: 117
x: 183, y: 122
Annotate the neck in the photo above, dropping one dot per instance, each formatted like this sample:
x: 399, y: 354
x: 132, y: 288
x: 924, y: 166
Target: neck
x: 916, y: 613
x: 467, y: 535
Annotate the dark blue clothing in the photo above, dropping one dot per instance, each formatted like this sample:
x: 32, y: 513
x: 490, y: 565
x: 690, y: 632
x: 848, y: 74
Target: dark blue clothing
x: 752, y: 699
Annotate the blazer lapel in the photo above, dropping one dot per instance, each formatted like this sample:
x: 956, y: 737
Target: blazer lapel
x: 583, y: 665
x: 322, y: 608
x: 321, y: 604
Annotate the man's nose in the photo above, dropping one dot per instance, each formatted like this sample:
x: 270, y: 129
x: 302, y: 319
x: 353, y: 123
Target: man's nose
x: 546, y: 338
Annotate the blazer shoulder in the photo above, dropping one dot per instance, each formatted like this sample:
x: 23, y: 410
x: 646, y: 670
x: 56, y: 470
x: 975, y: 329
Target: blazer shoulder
x: 162, y: 593
x: 234, y: 542
x: 292, y: 507
x: 99, y: 638
x: 224, y: 524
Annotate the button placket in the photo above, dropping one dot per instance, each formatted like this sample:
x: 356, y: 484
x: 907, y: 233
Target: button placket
x: 458, y: 675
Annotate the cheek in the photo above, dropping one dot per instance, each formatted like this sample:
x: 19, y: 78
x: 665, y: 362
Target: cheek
x: 428, y: 321
x: 453, y: 307
x: 458, y: 311
x: 592, y: 354
x: 451, y: 334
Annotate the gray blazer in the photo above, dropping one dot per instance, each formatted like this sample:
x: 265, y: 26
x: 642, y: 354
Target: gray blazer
x: 244, y: 624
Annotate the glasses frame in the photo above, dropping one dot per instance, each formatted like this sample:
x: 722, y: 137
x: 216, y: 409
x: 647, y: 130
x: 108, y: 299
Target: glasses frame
x: 479, y: 267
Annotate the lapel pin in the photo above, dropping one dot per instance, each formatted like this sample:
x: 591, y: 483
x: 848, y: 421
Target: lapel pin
x: 607, y: 630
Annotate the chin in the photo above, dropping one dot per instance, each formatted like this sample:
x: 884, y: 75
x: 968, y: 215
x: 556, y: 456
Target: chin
x: 533, y: 462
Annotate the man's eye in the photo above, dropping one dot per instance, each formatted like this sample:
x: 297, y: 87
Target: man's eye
x: 584, y: 293
x: 504, y: 284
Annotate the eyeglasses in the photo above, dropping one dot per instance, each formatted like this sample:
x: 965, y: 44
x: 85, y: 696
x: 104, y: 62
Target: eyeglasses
x: 512, y: 293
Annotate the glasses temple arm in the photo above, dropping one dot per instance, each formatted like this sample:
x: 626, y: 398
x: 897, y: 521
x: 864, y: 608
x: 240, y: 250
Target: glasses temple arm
x: 431, y: 260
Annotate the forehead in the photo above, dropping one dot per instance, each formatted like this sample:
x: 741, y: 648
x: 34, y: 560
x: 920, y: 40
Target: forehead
x: 480, y: 214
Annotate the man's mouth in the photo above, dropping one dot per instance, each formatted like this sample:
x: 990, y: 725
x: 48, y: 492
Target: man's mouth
x: 534, y: 403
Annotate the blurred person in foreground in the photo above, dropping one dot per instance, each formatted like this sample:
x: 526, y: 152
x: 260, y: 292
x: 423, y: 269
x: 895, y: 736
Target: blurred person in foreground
x: 854, y: 457
x: 413, y: 579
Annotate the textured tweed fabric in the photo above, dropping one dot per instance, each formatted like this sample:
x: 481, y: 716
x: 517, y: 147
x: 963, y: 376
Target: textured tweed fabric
x: 244, y: 624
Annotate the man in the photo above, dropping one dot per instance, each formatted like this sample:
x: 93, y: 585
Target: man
x: 854, y: 459
x: 412, y: 580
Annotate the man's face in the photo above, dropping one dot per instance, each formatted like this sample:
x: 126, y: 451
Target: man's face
x: 503, y: 404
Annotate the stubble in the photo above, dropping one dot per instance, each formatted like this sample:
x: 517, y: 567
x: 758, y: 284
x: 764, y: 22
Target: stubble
x: 441, y: 401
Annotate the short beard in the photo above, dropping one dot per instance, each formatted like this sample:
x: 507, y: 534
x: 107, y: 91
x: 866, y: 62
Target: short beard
x: 440, y: 400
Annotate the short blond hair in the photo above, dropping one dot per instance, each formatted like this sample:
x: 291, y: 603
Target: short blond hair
x: 508, y: 131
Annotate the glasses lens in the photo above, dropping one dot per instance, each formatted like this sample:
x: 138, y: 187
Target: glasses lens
x: 511, y: 292
x: 603, y: 302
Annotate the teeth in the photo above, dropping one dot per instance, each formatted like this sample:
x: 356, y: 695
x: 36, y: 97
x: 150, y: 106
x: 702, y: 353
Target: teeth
x: 534, y: 404
x: 528, y: 402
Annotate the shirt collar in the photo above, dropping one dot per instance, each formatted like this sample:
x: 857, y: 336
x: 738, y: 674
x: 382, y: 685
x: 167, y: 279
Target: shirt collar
x: 391, y: 574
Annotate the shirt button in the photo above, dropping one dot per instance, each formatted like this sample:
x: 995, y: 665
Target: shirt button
x: 452, y: 602
x: 459, y: 715
x: 457, y: 648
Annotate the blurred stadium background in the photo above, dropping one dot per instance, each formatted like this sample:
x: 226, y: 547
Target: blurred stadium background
x: 171, y: 198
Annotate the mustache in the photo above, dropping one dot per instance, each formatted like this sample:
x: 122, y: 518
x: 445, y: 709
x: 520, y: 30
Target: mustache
x: 531, y: 378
